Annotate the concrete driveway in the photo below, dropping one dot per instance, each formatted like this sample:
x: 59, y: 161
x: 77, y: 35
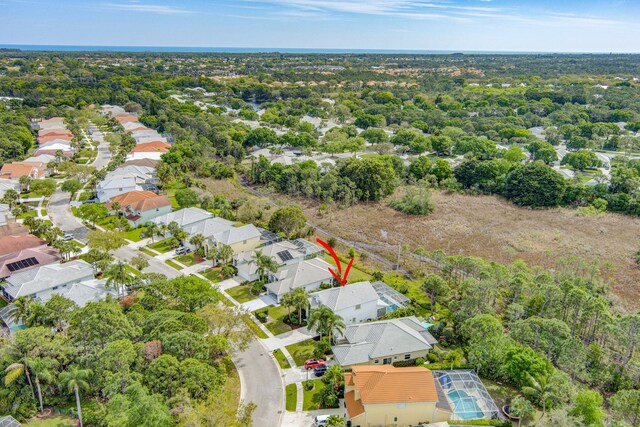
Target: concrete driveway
x: 307, y: 418
x: 293, y: 337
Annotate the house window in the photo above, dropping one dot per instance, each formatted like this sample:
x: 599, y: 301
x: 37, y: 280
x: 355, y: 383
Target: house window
x: 407, y: 356
x: 358, y: 307
x: 395, y: 419
x: 376, y: 361
x: 386, y: 361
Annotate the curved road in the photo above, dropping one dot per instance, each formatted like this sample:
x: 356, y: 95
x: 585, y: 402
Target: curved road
x: 260, y: 383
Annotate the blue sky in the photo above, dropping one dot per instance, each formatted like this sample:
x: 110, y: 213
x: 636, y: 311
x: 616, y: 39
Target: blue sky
x: 466, y: 25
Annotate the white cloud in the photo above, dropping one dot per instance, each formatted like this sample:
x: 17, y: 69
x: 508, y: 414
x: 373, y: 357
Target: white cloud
x: 148, y: 8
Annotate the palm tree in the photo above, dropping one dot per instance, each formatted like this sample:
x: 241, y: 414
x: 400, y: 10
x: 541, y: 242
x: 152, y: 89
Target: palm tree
x: 117, y: 277
x: 197, y: 240
x: 150, y: 232
x: 542, y: 390
x: 264, y: 263
x: 75, y: 379
x: 21, y: 309
x: 11, y: 198
x: 225, y: 253
x: 212, y: 255
x: 116, y: 207
x: 301, y: 302
x: 325, y: 321
x: 287, y: 301
x: 24, y: 181
x: 42, y: 369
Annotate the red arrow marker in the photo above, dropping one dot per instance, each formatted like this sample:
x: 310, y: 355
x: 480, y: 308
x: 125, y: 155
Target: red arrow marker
x: 338, y: 276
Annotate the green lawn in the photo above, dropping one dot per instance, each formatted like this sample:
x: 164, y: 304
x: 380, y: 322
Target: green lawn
x: 59, y: 421
x: 43, y: 212
x: 277, y: 325
x: 173, y: 264
x: 312, y: 397
x: 213, y: 274
x: 134, y: 235
x: 147, y: 251
x: 131, y: 270
x: 162, y: 246
x: 28, y: 214
x: 254, y: 328
x: 301, y: 351
x: 282, y: 361
x: 241, y: 293
x: 186, y: 259
x: 292, y: 397
x: 171, y: 195
x: 355, y: 275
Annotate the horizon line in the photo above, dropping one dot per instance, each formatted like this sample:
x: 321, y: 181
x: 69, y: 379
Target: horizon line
x: 238, y: 49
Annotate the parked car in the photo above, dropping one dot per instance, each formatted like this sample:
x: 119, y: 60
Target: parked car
x: 182, y: 250
x: 66, y: 237
x: 321, y: 420
x: 320, y: 370
x: 314, y: 363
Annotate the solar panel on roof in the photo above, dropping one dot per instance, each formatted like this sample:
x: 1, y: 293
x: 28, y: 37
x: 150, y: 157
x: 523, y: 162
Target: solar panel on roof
x: 22, y: 264
x: 285, y: 256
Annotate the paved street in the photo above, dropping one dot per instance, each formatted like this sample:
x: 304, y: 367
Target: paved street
x: 104, y: 155
x: 125, y: 253
x: 261, y: 384
x: 60, y: 213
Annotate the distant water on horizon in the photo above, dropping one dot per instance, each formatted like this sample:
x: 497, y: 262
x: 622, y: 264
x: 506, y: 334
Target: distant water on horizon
x: 185, y: 49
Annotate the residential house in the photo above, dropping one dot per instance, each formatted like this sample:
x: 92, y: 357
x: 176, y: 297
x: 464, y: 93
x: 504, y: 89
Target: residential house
x: 220, y: 232
x: 47, y: 278
x: 355, y: 303
x: 150, y: 163
x: 82, y: 293
x: 184, y: 217
x: 149, y: 150
x: 390, y: 396
x: 309, y: 274
x: 42, y: 158
x: 8, y: 184
x: 140, y: 207
x: 52, y: 123
x: 283, y: 253
x: 54, y: 137
x: 108, y: 189
x: 141, y: 174
x: 16, y: 170
x: 126, y: 118
x: 383, y: 342
x: 27, y: 259
x: 12, y: 244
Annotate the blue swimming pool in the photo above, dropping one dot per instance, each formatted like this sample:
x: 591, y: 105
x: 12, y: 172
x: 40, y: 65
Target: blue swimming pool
x: 465, y: 406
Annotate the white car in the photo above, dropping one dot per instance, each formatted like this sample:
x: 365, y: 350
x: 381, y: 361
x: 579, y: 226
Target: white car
x: 321, y: 420
x: 66, y: 237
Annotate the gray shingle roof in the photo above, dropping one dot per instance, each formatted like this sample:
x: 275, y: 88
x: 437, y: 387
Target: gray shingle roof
x: 375, y: 340
x: 82, y: 293
x: 47, y: 277
x: 184, y: 217
x: 344, y: 296
x: 290, y: 277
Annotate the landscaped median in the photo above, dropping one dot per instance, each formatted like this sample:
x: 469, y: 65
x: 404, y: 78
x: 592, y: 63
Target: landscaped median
x: 292, y: 397
x: 282, y: 360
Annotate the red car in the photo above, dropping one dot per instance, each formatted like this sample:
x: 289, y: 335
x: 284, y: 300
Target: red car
x: 314, y: 363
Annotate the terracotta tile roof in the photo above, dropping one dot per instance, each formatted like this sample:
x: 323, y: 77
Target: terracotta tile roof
x: 11, y: 244
x: 54, y: 136
x: 140, y: 200
x: 150, y: 147
x: 16, y: 170
x: 141, y: 127
x: 126, y: 118
x: 12, y: 228
x: 59, y: 131
x: 387, y: 384
x: 354, y: 407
